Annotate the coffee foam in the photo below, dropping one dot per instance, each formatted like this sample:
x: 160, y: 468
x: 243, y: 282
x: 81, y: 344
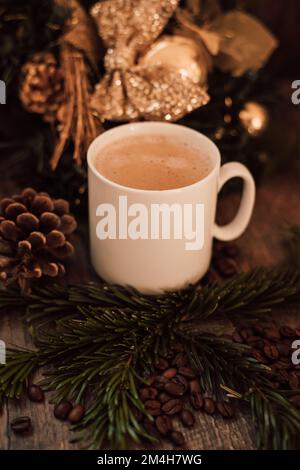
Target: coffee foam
x: 153, y: 162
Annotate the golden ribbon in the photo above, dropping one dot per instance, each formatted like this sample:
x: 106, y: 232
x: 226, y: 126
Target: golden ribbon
x: 130, y: 90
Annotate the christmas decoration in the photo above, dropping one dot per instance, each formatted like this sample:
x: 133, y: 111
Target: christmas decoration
x: 255, y: 118
x: 245, y: 44
x: 181, y: 54
x: 42, y: 87
x: 34, y: 231
x: 78, y: 55
x: 237, y: 41
x: 26, y: 28
x: 146, y: 75
x: 130, y: 90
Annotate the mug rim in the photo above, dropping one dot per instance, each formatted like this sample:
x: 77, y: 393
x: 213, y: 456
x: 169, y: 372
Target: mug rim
x: 151, y: 124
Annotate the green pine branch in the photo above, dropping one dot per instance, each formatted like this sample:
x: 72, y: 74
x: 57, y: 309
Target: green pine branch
x: 106, y: 338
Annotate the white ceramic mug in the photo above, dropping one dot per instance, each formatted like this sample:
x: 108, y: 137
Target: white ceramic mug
x: 156, y: 265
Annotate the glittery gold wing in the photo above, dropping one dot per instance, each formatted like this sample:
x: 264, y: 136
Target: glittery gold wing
x: 130, y: 91
x: 138, y: 21
x: 147, y: 93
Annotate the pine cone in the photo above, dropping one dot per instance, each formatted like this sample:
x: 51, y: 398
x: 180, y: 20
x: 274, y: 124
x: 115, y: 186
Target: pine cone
x: 34, y: 241
x: 42, y: 88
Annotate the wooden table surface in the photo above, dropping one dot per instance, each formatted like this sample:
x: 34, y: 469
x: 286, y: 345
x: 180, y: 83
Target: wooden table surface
x: 278, y: 202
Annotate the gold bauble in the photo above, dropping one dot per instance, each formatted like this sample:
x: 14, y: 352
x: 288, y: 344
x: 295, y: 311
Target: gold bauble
x: 179, y: 53
x: 255, y: 118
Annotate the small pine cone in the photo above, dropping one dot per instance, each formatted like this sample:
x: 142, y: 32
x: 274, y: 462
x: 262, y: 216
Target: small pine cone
x: 42, y: 87
x: 34, y: 237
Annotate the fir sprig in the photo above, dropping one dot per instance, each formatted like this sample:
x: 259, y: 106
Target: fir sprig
x: 106, y: 339
x: 15, y: 377
x: 255, y: 292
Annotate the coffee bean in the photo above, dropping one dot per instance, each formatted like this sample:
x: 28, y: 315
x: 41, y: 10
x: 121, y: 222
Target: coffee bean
x: 76, y: 414
x: 186, y: 372
x: 294, y: 382
x: 160, y: 381
x: 180, y: 360
x: 295, y: 400
x: 35, y: 393
x: 225, y: 409
x: 284, y: 349
x: 246, y: 333
x: 163, y: 397
x: 148, y: 393
x: 21, y: 425
x: 196, y: 400
x: 271, y: 334
x: 170, y: 373
x: 209, y: 406
x: 255, y: 342
x: 181, y: 380
x: 164, y: 425
x: 153, y: 407
x: 194, y: 386
x: 175, y: 388
x: 161, y: 364
x: 283, y: 363
x: 236, y: 337
x: 259, y: 356
x: 151, y: 429
x: 62, y: 410
x: 287, y: 332
x: 226, y: 267
x: 177, y: 438
x: 172, y: 407
x: 271, y: 352
x: 187, y: 418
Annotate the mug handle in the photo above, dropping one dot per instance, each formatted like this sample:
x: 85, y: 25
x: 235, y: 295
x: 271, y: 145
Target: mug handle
x: 239, y: 224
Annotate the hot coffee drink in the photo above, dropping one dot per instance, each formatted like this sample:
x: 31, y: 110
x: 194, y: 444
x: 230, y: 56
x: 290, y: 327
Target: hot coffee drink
x: 152, y: 162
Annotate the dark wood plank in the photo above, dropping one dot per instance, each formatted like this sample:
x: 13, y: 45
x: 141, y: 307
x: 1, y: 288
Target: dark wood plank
x: 278, y: 202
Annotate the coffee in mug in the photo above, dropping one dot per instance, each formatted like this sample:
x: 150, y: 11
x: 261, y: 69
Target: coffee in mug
x: 153, y: 162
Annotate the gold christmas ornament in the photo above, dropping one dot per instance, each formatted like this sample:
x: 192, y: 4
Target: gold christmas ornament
x: 131, y: 90
x: 255, y: 118
x: 42, y: 86
x: 245, y: 43
x: 179, y: 53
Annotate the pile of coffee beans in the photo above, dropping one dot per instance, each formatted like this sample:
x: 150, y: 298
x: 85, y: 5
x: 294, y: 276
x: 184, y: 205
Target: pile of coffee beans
x: 271, y: 344
x: 173, y: 392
